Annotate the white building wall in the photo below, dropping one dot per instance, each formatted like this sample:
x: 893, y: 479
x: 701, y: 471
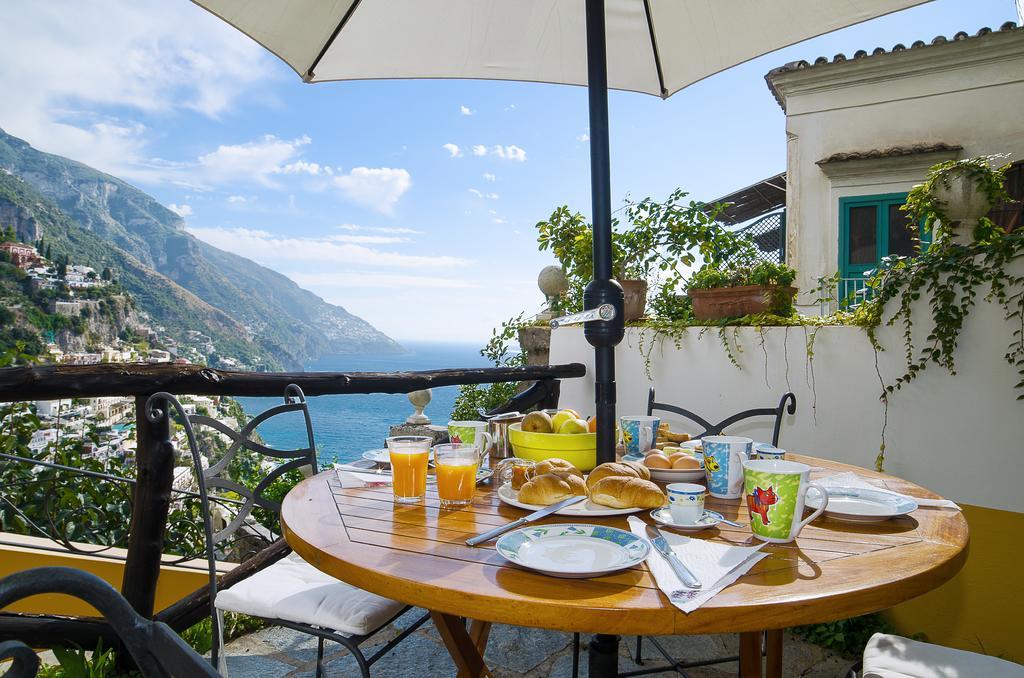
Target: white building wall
x: 967, y: 93
x: 961, y: 436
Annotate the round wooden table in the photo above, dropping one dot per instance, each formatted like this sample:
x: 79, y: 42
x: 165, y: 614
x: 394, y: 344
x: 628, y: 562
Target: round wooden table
x: 417, y: 555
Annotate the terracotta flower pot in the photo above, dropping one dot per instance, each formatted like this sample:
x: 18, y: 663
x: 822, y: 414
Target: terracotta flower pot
x: 635, y: 302
x: 732, y: 302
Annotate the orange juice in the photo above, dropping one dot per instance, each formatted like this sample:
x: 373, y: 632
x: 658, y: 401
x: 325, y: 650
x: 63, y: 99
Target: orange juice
x: 409, y: 474
x: 456, y: 483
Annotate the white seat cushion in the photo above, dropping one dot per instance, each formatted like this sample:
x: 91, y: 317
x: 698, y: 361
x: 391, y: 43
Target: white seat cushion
x: 293, y: 590
x: 895, y: 657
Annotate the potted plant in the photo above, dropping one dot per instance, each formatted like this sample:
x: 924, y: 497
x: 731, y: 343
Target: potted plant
x: 956, y: 196
x: 570, y: 239
x: 731, y: 291
x: 662, y: 240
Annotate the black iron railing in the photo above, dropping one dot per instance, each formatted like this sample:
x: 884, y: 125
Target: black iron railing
x: 148, y: 499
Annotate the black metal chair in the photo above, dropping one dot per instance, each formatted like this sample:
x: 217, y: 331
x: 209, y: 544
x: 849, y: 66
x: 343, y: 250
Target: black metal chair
x: 289, y: 592
x: 786, y: 405
x: 157, y: 650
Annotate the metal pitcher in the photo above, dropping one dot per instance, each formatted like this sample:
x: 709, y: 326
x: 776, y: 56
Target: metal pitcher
x: 497, y: 427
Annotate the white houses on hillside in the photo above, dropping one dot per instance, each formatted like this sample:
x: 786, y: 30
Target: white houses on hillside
x: 861, y: 131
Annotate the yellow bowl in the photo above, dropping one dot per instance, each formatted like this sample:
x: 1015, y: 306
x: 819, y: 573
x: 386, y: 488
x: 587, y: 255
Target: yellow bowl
x: 579, y: 449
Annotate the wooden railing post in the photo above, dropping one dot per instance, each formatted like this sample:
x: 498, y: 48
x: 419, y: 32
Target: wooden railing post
x: 154, y: 460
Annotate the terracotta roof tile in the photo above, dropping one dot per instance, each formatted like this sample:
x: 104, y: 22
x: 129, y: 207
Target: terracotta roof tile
x: 891, y: 152
x: 862, y: 54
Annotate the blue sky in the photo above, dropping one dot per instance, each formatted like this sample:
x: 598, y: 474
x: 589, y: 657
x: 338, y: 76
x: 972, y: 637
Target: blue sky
x: 371, y: 193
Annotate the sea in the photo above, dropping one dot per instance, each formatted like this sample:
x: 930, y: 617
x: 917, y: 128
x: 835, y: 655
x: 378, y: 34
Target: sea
x: 345, y: 426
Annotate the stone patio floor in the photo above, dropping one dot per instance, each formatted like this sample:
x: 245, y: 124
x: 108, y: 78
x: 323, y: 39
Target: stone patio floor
x: 511, y: 652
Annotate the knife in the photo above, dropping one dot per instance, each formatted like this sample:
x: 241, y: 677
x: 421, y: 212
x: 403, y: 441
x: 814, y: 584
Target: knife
x: 536, y: 515
x: 662, y: 547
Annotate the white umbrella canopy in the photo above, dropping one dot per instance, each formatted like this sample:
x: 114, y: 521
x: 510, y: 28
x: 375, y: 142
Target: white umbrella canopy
x: 654, y: 46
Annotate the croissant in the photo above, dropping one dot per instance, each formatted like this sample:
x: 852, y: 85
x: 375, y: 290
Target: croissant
x: 620, y: 493
x: 550, y: 488
x: 555, y: 464
x: 612, y: 469
x: 643, y: 472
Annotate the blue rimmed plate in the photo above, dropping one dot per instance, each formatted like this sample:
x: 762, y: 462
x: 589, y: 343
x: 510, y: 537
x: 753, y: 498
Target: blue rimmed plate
x: 573, y: 550
x: 861, y: 505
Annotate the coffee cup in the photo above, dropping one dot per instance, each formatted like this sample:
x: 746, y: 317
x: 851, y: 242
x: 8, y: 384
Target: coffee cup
x: 723, y: 464
x: 639, y: 433
x: 685, y: 502
x: 776, y: 491
x: 471, y: 433
x: 769, y: 453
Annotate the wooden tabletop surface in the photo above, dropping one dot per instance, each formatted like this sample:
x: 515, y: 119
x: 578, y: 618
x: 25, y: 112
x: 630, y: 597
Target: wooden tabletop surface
x: 418, y: 555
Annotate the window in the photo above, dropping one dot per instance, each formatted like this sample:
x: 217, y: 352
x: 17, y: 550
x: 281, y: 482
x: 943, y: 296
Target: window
x: 872, y: 227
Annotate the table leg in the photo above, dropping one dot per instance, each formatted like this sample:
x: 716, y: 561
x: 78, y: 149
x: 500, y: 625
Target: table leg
x: 750, y: 654
x: 479, y: 631
x: 774, y: 660
x: 603, y: 656
x: 468, y: 658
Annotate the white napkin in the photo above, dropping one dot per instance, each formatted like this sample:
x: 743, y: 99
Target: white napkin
x: 715, y: 565
x: 850, y: 479
x: 351, y: 479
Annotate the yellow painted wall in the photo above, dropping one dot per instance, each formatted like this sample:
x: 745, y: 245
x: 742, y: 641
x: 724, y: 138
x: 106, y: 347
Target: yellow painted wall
x: 175, y: 581
x: 979, y: 608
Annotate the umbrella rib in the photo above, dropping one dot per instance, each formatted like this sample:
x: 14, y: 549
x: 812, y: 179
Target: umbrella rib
x: 654, y: 48
x: 308, y: 77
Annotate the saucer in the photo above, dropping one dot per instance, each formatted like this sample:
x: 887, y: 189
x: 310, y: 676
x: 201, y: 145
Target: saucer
x: 663, y: 516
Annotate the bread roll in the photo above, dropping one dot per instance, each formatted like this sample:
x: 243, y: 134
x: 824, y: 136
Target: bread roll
x: 551, y: 488
x: 611, y: 469
x: 555, y: 464
x: 620, y: 492
x: 686, y: 463
x: 657, y: 461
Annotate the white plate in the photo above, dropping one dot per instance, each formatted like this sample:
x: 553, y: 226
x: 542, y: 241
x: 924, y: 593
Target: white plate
x: 583, y: 509
x: 382, y: 456
x: 572, y: 550
x: 860, y: 505
x: 664, y: 517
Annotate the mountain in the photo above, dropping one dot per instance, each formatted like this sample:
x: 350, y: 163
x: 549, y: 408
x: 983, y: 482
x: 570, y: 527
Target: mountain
x: 256, y: 306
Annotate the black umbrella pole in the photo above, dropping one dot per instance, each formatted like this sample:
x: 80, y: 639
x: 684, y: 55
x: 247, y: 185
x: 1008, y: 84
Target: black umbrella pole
x: 602, y: 335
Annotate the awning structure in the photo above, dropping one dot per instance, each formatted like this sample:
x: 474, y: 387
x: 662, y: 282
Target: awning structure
x: 755, y: 200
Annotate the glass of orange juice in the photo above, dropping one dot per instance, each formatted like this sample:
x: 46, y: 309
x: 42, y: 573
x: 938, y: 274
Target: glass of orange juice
x: 409, y: 467
x: 455, y: 465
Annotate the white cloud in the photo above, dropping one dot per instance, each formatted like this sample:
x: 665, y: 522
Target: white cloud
x: 453, y: 150
x: 262, y: 246
x: 369, y: 239
x: 237, y: 200
x: 465, y: 110
x: 68, y: 65
x: 476, y: 192
x: 510, y: 107
x: 512, y: 152
x: 378, y: 188
x: 379, y: 229
x: 492, y: 196
x: 181, y: 210
x: 252, y: 161
x: 499, y: 220
x: 583, y: 137
x: 303, y: 167
x: 353, y: 279
x: 489, y: 177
